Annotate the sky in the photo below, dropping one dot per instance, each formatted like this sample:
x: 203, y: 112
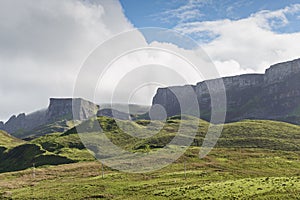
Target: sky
x: 43, y: 44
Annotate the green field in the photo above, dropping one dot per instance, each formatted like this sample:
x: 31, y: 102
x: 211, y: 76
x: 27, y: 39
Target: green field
x: 223, y: 174
x: 252, y: 160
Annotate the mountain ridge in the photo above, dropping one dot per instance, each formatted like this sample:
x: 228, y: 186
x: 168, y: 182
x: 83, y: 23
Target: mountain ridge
x: 274, y: 95
x: 58, y: 109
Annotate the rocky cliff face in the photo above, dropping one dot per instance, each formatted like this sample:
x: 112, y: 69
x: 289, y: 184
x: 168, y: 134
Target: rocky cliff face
x: 1, y: 125
x: 58, y: 109
x: 62, y: 109
x: 273, y: 95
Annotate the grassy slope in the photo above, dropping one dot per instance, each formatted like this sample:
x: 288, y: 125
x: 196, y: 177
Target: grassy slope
x: 261, y: 134
x: 66, y: 147
x: 224, y: 174
x: 56, y: 127
x: 50, y: 149
x: 253, y: 159
x: 8, y: 141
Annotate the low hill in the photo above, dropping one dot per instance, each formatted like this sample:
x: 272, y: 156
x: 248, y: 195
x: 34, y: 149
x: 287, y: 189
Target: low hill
x: 266, y: 134
x: 66, y: 147
x: 51, y: 149
x: 261, y: 134
x: 55, y: 127
x: 134, y: 109
x: 8, y: 141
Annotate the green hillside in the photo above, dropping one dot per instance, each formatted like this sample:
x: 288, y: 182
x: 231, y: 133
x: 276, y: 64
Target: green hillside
x: 226, y: 173
x: 131, y: 108
x: 253, y: 159
x: 261, y: 134
x: 8, y: 141
x: 55, y: 127
x: 60, y: 148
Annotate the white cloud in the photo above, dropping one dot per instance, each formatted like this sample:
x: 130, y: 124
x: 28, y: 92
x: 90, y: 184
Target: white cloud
x: 190, y: 10
x: 249, y: 42
x: 160, y: 65
x: 43, y: 44
x: 231, y: 68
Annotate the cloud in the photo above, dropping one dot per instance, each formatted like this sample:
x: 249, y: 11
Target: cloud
x: 143, y: 71
x: 43, y: 44
x: 190, y: 10
x: 231, y: 68
x: 252, y: 43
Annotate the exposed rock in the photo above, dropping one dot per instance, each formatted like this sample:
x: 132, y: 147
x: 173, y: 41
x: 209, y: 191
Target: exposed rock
x: 273, y: 95
x: 58, y: 109
x: 62, y: 109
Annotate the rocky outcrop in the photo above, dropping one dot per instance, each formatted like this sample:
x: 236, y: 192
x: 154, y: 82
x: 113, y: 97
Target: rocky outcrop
x: 58, y: 109
x: 68, y: 109
x: 273, y: 95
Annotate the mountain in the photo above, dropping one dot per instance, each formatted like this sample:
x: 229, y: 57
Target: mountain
x: 59, y: 112
x: 274, y: 95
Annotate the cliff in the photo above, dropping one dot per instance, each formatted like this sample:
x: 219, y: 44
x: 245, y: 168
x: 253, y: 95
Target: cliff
x: 273, y: 95
x: 58, y: 109
x: 62, y: 109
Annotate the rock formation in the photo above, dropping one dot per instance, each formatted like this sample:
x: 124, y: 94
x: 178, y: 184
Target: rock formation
x: 273, y: 95
x: 58, y: 109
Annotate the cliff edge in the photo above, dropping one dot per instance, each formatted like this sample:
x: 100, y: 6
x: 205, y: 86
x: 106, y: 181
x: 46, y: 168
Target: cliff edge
x: 58, y: 109
x: 274, y: 95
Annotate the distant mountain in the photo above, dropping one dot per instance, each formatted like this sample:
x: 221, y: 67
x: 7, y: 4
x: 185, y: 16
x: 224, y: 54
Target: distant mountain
x: 274, y: 95
x: 58, y: 112
x: 58, y: 117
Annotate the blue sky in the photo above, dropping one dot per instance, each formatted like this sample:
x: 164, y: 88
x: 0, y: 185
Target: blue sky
x: 244, y: 36
x: 158, y: 13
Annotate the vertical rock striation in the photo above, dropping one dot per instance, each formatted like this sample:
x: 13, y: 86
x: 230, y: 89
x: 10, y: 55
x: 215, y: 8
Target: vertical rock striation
x: 273, y: 95
x: 58, y: 109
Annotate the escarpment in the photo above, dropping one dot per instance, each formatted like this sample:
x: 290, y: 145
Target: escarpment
x: 273, y: 95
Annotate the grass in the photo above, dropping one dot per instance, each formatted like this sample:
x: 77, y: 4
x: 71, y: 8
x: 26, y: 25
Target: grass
x: 253, y: 159
x: 67, y: 147
x: 8, y: 141
x: 223, y: 174
x: 52, y: 149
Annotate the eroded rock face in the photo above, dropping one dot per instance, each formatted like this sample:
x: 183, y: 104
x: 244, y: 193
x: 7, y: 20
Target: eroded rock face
x: 62, y: 109
x: 1, y: 124
x: 58, y: 109
x: 273, y: 95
